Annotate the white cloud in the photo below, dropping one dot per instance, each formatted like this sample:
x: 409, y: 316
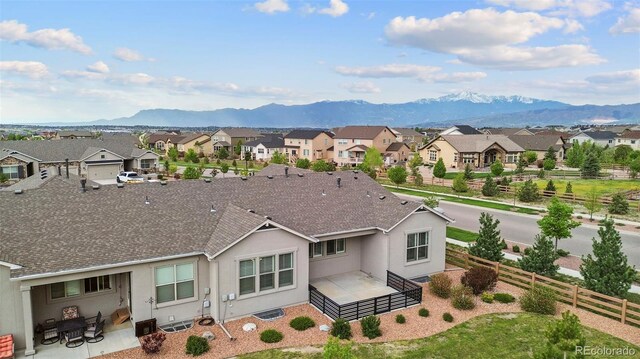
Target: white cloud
x: 139, y: 78
x: 361, y: 87
x: 128, y: 55
x: 31, y: 69
x: 370, y: 15
x: 486, y: 37
x: 616, y: 77
x: 454, y: 77
x: 88, y: 75
x: 336, y: 8
x: 99, y: 67
x: 627, y: 24
x: 390, y: 70
x: 52, y: 39
x: 574, y: 8
x: 272, y: 6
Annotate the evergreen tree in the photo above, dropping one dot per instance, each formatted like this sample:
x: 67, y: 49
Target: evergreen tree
x: 224, y: 168
x: 564, y: 337
x: 489, y: 244
x: 591, y: 166
x: 550, y: 154
x: 529, y: 192
x: 619, y: 204
x: 416, y: 161
x: 521, y: 165
x: 497, y: 168
x: 468, y: 172
x: 460, y: 183
x: 222, y: 153
x: 634, y: 167
x: 550, y: 186
x: 439, y: 170
x: 540, y: 259
x: 569, y: 188
x: 418, y: 180
x: 238, y: 148
x: 548, y: 164
x: 173, y: 154
x: 558, y: 222
x: 541, y: 173
x: 592, y: 202
x: 575, y: 156
x: 607, y: 270
x: 490, y: 187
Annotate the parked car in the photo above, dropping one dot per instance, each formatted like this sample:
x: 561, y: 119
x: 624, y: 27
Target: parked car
x: 129, y: 177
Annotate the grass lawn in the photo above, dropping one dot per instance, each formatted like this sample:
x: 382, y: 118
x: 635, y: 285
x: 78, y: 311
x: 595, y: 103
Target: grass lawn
x: 212, y: 164
x: 488, y: 336
x: 500, y: 206
x: 461, y: 234
x: 582, y: 186
x: 425, y: 187
x: 452, y: 175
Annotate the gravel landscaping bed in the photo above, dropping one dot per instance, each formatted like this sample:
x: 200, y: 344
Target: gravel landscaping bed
x: 415, y: 326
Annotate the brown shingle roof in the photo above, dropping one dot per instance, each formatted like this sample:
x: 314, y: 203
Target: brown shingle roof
x: 240, y: 132
x: 274, y: 169
x: 478, y: 143
x: 361, y: 132
x: 537, y: 142
x: 630, y: 134
x: 396, y: 146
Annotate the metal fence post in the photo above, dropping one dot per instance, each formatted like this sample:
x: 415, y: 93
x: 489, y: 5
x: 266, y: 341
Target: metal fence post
x: 375, y: 305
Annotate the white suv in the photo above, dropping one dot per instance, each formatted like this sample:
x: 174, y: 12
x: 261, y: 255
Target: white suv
x: 129, y: 177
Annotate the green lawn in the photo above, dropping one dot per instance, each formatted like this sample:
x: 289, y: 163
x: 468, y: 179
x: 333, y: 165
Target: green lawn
x: 582, y: 186
x: 488, y: 336
x: 212, y: 164
x: 500, y: 206
x: 461, y: 234
x: 452, y: 175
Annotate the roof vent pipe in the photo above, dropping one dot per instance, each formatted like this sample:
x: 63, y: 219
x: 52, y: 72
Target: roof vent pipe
x: 59, y: 170
x: 213, y: 210
x: 300, y: 175
x: 146, y: 199
x: 338, y: 180
x: 66, y: 161
x: 83, y: 183
x: 286, y: 171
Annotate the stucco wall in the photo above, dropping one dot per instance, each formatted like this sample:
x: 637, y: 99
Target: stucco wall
x: 374, y: 255
x: 262, y: 243
x: 337, y: 263
x: 11, y: 314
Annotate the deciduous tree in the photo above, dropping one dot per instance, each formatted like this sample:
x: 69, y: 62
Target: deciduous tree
x: 460, y: 183
x: 397, y: 175
x: 558, y: 222
x: 497, y: 168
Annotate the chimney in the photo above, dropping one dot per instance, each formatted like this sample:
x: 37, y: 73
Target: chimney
x: 83, y: 183
x: 338, y: 180
x: 66, y: 161
x: 286, y: 171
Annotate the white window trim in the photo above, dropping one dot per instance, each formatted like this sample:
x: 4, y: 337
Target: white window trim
x: 429, y: 246
x: 256, y: 258
x: 195, y: 283
x: 17, y: 173
x: 112, y: 280
x: 326, y: 256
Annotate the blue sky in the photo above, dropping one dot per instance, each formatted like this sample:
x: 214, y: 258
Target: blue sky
x: 76, y: 61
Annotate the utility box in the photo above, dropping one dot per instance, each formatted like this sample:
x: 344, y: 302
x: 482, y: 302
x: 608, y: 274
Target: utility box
x: 145, y: 327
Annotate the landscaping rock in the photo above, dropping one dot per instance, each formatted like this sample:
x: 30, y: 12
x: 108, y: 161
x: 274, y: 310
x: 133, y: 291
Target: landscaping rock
x: 324, y: 328
x: 208, y: 335
x: 249, y: 327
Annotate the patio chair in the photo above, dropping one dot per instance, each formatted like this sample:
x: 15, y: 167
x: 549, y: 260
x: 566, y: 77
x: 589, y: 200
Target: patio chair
x: 74, y: 338
x: 50, y: 332
x: 94, y: 334
x: 70, y: 312
x: 93, y: 321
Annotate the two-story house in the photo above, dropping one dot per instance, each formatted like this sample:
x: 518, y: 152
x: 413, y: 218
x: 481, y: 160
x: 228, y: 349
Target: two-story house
x: 309, y: 144
x: 602, y: 138
x: 199, y: 142
x: 263, y: 148
x: 630, y: 138
x: 351, y: 142
x: 233, y: 135
x: 409, y: 136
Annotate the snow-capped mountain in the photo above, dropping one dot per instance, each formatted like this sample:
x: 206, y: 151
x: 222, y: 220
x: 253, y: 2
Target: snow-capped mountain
x: 474, y: 97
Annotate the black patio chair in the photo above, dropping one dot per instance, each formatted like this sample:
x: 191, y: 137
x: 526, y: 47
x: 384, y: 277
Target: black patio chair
x: 95, y: 334
x: 75, y: 338
x: 93, y: 321
x: 50, y: 333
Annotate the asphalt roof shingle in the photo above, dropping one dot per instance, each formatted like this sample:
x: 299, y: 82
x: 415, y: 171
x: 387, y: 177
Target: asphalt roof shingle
x: 361, y: 132
x: 307, y: 134
x: 478, y: 143
x: 59, y: 150
x: 537, y: 142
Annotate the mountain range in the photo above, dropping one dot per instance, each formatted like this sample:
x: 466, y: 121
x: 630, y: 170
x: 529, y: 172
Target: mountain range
x: 464, y: 107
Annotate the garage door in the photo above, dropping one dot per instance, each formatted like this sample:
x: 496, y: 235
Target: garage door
x: 102, y: 172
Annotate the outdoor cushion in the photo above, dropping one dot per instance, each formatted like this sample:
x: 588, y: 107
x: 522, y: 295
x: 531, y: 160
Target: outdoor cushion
x: 6, y: 346
x: 70, y: 312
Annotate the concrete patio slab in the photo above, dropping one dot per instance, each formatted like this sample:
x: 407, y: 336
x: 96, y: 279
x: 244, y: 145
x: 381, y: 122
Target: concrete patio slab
x: 351, y: 287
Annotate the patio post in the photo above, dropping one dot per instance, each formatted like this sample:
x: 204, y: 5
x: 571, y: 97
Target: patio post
x: 28, y: 319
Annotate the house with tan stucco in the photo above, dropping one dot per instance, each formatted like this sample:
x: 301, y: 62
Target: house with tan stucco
x: 229, y: 248
x: 351, y: 142
x: 479, y: 151
x: 309, y: 144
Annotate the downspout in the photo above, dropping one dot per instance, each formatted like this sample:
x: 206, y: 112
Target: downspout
x: 217, y: 297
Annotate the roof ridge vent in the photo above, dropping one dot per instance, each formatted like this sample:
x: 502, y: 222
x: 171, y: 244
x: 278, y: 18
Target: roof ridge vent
x: 382, y: 197
x: 120, y: 185
x: 212, y: 210
x: 403, y: 202
x: 330, y: 173
x: 251, y: 211
x: 286, y: 171
x: 163, y: 183
x: 146, y: 200
x: 95, y: 187
x: 368, y: 194
x: 338, y: 180
x: 267, y: 218
x: 270, y: 177
x: 324, y: 193
x: 18, y: 191
x: 300, y: 174
x: 244, y: 178
x: 207, y: 180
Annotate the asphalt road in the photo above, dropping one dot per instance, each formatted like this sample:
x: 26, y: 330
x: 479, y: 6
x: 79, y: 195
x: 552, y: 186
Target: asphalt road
x: 522, y: 228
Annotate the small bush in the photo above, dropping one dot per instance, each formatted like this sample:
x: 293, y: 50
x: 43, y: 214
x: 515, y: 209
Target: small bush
x: 370, y: 326
x: 152, y: 343
x: 160, y: 176
x: 197, y: 345
x: 562, y: 252
x: 515, y: 248
x: 527, y: 251
x: 335, y: 349
x: 539, y: 299
x: 504, y: 244
x: 579, y: 217
x: 400, y: 319
x: 480, y: 279
x: 271, y: 336
x: 302, y: 323
x: 447, y: 317
x: 504, y: 298
x: 423, y: 312
x: 487, y: 297
x: 462, y: 298
x: 341, y: 329
x: 440, y: 285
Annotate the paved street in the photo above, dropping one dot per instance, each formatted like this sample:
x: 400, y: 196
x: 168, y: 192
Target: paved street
x: 522, y: 228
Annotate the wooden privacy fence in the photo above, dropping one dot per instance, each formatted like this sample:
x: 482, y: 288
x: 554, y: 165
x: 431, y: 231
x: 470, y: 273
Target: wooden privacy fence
x: 578, y: 297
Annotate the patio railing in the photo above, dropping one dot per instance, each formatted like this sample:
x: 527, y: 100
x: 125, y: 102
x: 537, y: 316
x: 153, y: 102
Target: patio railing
x: 409, y: 293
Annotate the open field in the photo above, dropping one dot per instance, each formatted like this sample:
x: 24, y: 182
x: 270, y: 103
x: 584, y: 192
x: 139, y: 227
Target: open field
x: 582, y: 186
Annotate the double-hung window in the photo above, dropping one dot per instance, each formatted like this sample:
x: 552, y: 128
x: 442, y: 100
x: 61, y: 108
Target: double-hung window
x: 175, y: 282
x: 335, y: 246
x: 273, y: 272
x: 417, y: 246
x: 285, y: 269
x: 315, y: 250
x: 433, y: 155
x: 10, y: 171
x: 247, y: 276
x: 97, y: 284
x: 267, y: 272
x: 65, y: 289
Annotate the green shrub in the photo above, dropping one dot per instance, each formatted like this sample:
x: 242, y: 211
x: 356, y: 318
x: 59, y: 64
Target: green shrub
x: 302, y: 323
x: 562, y: 252
x: 527, y: 251
x: 197, y: 345
x: 539, y: 299
x: 487, y: 297
x: 341, y: 329
x: 504, y: 244
x: 504, y: 298
x: 335, y: 349
x: 440, y: 285
x: 479, y: 279
x: 462, y: 298
x: 515, y: 248
x: 423, y: 312
x: 400, y: 319
x: 370, y: 326
x: 447, y: 317
x: 160, y: 176
x: 271, y: 336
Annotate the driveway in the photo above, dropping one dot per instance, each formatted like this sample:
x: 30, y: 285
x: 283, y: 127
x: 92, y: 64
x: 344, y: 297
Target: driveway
x: 105, y: 181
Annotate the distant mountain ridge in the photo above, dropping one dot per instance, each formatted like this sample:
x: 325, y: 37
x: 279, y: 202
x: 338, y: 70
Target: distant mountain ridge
x: 463, y: 107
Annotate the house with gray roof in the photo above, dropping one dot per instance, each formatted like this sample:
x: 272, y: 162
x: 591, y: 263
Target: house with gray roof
x: 540, y: 144
x: 460, y: 130
x: 72, y: 135
x: 228, y: 248
x: 602, y: 138
x: 263, y: 148
x: 479, y: 151
x: 310, y: 144
x: 408, y: 135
